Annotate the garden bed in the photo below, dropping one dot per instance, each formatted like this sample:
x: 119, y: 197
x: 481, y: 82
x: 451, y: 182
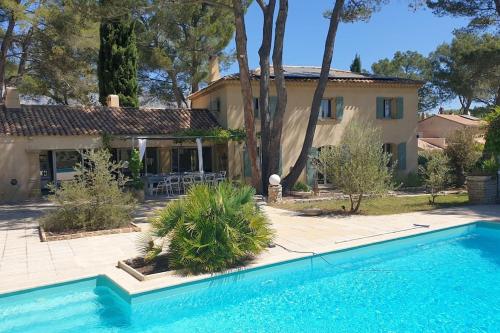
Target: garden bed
x: 143, y: 270
x: 47, y: 236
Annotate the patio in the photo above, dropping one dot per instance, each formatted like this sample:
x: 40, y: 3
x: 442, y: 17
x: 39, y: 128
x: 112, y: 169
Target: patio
x: 26, y: 262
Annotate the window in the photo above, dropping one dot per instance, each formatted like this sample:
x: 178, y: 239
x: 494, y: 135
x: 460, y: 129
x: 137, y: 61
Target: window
x: 390, y: 107
x: 387, y: 108
x: 325, y: 109
x: 388, y: 148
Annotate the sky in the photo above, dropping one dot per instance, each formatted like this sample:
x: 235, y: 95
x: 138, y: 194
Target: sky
x: 395, y: 28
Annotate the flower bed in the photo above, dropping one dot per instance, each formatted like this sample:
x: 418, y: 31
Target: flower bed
x: 46, y: 236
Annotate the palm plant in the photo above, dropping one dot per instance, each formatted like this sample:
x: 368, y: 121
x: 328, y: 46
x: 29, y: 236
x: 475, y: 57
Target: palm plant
x: 213, y: 228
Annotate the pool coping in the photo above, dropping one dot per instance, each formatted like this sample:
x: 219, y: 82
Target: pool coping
x: 130, y: 293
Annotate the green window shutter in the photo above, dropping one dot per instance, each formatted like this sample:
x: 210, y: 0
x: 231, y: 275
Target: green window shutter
x: 313, y: 153
x: 399, y: 108
x: 273, y: 103
x: 380, y: 107
x: 247, y: 167
x: 402, y: 156
x: 339, y: 107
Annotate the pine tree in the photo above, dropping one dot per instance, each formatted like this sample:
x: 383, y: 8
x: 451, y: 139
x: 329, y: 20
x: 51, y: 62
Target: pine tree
x: 356, y: 64
x: 117, y: 67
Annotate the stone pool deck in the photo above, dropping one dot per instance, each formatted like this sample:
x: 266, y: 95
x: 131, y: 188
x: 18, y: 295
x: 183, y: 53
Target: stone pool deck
x: 26, y: 262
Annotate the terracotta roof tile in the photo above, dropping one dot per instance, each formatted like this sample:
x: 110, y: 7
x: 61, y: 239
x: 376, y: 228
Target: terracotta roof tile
x: 33, y: 120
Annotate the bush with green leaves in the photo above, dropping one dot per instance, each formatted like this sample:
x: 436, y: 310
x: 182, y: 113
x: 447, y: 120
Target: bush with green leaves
x: 93, y: 200
x: 492, y: 145
x: 436, y: 173
x: 358, y: 166
x: 412, y: 179
x: 134, y: 165
x: 463, y: 152
x: 300, y: 187
x: 213, y: 228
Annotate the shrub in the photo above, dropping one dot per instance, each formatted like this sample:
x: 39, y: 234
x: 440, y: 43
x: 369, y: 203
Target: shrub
x: 412, y: 179
x: 492, y: 145
x: 94, y: 200
x: 436, y: 173
x: 358, y: 166
x: 300, y: 187
x: 463, y: 152
x: 135, y: 166
x: 213, y: 228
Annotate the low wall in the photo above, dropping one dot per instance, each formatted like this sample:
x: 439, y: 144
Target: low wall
x: 482, y: 189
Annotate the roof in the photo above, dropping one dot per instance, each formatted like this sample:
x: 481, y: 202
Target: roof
x: 461, y: 119
x: 311, y: 73
x: 423, y: 144
x: 33, y: 120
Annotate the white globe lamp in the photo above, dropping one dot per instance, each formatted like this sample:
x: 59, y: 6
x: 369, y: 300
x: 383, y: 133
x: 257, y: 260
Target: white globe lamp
x: 274, y: 180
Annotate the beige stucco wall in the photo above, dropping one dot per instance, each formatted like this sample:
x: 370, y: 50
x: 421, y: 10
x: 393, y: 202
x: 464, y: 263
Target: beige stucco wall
x: 20, y: 161
x: 359, y: 102
x: 437, y: 127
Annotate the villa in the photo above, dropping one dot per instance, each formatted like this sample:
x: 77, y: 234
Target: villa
x: 390, y: 103
x: 40, y: 143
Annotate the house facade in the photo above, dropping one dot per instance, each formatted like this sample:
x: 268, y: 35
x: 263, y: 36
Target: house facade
x: 433, y: 131
x: 40, y: 144
x: 388, y: 103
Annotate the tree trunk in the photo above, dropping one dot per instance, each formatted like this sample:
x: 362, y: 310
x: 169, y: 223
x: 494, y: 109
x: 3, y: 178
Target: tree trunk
x: 246, y: 90
x: 21, y: 68
x: 497, y: 6
x: 6, y: 43
x: 497, y: 97
x: 179, y: 96
x: 318, y: 95
x: 360, y: 198
x: 265, y: 119
x: 279, y: 80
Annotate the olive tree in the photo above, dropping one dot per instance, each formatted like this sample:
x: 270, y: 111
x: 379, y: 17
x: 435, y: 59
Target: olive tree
x: 436, y: 173
x: 358, y: 166
x: 463, y: 152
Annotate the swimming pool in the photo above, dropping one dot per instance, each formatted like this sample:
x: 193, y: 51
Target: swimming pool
x: 444, y: 281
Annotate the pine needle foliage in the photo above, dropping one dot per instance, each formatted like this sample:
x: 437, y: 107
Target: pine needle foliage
x: 214, y: 228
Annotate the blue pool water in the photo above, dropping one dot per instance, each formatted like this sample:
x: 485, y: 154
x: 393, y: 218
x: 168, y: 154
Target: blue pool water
x: 446, y: 281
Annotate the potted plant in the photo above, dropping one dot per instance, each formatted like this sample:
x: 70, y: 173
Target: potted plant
x: 482, y: 182
x: 137, y: 185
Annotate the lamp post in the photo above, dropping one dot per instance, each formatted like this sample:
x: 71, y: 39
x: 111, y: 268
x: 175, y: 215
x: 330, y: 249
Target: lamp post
x: 274, y: 189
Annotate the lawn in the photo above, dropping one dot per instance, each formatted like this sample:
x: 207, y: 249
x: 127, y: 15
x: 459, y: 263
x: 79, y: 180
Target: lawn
x: 383, y: 205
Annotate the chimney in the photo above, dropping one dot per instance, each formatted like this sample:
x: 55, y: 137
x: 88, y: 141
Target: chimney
x: 213, y: 68
x: 113, y: 101
x: 12, y: 100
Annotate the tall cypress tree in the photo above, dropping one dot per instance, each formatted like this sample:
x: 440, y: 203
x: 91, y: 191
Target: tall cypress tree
x: 117, y: 67
x: 356, y: 64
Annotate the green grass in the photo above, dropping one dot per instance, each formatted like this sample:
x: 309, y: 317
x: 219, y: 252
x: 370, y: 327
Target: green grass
x: 383, y: 205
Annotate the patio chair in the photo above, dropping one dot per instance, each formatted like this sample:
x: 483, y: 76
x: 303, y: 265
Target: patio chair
x: 187, y: 182
x: 198, y: 178
x: 210, y: 179
x: 175, y: 184
x: 161, y: 187
x: 221, y: 176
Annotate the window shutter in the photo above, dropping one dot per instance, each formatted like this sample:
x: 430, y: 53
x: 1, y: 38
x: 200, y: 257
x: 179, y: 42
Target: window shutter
x: 399, y: 108
x: 247, y: 168
x: 339, y: 107
x: 313, y: 153
x: 380, y: 107
x: 273, y: 103
x: 402, y: 156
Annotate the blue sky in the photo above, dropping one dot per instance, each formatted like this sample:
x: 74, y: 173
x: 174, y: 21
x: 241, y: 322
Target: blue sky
x: 395, y: 28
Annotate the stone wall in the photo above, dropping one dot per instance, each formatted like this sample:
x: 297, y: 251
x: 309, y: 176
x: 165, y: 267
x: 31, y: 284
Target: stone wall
x: 482, y: 189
